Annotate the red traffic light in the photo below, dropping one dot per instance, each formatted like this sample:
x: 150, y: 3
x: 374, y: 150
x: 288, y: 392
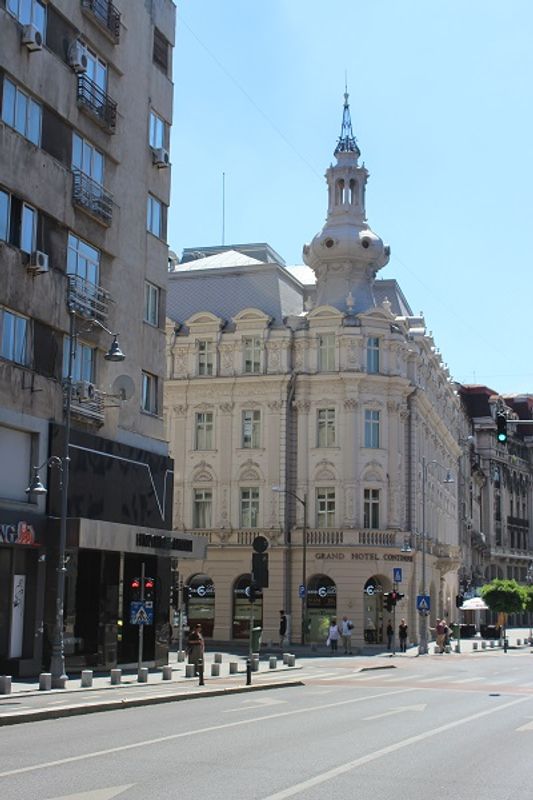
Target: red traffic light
x: 148, y: 583
x: 135, y: 583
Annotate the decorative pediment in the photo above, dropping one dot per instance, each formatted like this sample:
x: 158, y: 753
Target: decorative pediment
x: 321, y: 316
x: 372, y: 472
x: 250, y: 318
x: 249, y: 471
x: 202, y: 473
x: 325, y: 471
x: 204, y: 320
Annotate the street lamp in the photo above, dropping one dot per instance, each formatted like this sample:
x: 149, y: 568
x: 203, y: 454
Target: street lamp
x: 303, y: 591
x: 57, y: 662
x: 423, y: 645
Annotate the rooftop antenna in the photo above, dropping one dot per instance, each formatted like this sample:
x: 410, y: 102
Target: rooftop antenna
x: 223, y: 208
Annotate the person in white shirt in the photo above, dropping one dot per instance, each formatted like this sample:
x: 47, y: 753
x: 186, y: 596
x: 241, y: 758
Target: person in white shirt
x: 346, y: 634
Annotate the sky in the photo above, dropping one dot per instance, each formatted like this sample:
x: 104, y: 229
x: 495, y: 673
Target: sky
x: 441, y: 103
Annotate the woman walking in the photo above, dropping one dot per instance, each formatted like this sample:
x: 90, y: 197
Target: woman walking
x: 333, y: 636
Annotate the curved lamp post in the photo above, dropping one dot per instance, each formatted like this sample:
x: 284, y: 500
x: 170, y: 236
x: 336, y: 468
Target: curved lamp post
x: 303, y: 501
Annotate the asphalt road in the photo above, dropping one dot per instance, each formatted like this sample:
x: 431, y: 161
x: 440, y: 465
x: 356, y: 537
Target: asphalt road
x: 442, y: 727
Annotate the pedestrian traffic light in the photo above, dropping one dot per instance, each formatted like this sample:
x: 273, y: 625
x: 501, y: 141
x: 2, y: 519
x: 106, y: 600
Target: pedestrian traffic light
x: 149, y: 589
x: 260, y: 570
x: 394, y: 597
x: 501, y: 427
x: 388, y: 601
x: 135, y: 589
x: 459, y: 598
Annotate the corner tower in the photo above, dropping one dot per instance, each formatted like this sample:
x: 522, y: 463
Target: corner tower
x: 346, y: 254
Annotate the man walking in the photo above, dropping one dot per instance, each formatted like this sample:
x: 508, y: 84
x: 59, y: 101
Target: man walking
x: 346, y: 634
x: 282, y: 628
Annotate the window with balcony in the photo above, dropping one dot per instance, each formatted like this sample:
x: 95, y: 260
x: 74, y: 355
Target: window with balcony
x: 202, y: 508
x: 371, y: 428
x: 151, y: 303
x: 372, y: 355
x: 252, y: 351
x: 325, y: 508
x: 326, y: 352
x: 83, y: 269
x: 249, y: 508
x: 21, y: 112
x: 157, y: 137
x: 251, y: 429
x: 29, y: 12
x: 14, y: 333
x: 88, y: 171
x: 326, y: 427
x: 83, y: 363
x: 371, y: 508
x: 154, y: 216
x: 106, y: 15
x: 206, y: 356
x: 92, y: 91
x: 149, y: 387
x: 203, y: 431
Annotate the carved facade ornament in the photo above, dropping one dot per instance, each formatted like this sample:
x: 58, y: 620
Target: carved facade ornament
x: 227, y: 408
x: 353, y: 349
x: 404, y: 412
x: 250, y: 471
x: 226, y: 356
x: 180, y: 360
x: 275, y: 405
x: 302, y: 406
x: 299, y: 356
x: 202, y: 473
x: 180, y: 410
x: 351, y: 404
x: 373, y: 471
x: 203, y: 407
x: 393, y: 406
x: 325, y: 471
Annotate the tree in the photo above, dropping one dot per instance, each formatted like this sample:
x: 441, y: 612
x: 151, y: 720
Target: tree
x: 528, y: 605
x: 505, y: 596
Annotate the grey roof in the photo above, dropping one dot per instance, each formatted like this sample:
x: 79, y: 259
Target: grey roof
x: 260, y: 250
x: 228, y: 258
x: 389, y: 289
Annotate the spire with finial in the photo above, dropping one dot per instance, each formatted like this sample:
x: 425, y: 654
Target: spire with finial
x: 347, y: 142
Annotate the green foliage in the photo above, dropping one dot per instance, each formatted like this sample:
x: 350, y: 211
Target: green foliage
x: 504, y: 595
x: 528, y: 602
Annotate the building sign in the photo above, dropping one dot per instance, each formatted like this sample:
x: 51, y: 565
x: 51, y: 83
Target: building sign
x: 17, y: 533
x: 357, y: 556
x: 159, y: 542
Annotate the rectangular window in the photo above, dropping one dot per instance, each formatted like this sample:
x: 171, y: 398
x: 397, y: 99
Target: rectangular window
x: 372, y: 355
x: 203, y: 431
x: 326, y: 352
x: 249, y: 508
x: 4, y: 216
x: 14, y: 333
x: 251, y: 429
x: 87, y: 158
x: 326, y: 427
x: 96, y: 69
x: 151, y: 303
x: 205, y: 357
x: 371, y: 428
x: 82, y: 363
x: 149, y: 393
x: 28, y: 12
x: 157, y: 133
x: 371, y: 508
x: 19, y: 111
x: 161, y: 51
x: 201, y: 512
x: 154, y: 216
x: 28, y: 228
x: 83, y: 260
x: 325, y: 508
x: 252, y: 348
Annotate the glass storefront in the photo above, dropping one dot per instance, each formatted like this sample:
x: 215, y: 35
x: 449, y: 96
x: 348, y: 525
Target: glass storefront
x: 321, y: 607
x: 201, y: 603
x: 242, y: 608
x: 373, y: 616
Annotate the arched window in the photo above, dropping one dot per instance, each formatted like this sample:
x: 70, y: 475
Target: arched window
x: 353, y: 191
x: 321, y: 606
x: 201, y: 603
x: 243, y: 608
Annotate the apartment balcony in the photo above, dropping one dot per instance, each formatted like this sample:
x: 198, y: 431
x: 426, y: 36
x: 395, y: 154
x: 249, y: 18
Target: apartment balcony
x: 92, y: 197
x: 105, y: 15
x: 87, y: 299
x: 97, y: 103
x: 518, y: 522
x: 87, y: 403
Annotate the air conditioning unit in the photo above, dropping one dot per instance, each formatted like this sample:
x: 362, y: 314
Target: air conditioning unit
x: 32, y: 38
x: 38, y: 262
x: 77, y: 57
x: 161, y: 157
x: 85, y: 390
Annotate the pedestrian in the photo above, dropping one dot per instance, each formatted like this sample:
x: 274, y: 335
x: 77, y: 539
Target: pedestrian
x: 333, y: 636
x: 346, y: 634
x: 196, y: 647
x: 440, y: 633
x: 282, y: 627
x: 390, y: 635
x: 402, y: 635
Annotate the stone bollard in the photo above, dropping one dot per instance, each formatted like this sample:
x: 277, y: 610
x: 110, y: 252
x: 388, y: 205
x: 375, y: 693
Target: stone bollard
x: 233, y: 667
x: 5, y: 684
x: 285, y: 657
x: 474, y: 645
x: 86, y: 678
x: 142, y: 675
x: 215, y: 670
x: 272, y: 662
x: 255, y: 663
x: 457, y: 647
x: 181, y: 655
x: 447, y: 648
x: 189, y: 670
x: 45, y: 681
x: 218, y: 658
x: 436, y: 650
x: 519, y: 642
x: 167, y: 672
x: 483, y: 645
x: 291, y: 661
x: 116, y: 676
x: 491, y: 644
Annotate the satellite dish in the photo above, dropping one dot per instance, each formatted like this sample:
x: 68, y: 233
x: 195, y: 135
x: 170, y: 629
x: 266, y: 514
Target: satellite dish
x: 123, y: 387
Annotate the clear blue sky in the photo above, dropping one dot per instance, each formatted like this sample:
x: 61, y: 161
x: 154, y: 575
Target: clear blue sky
x: 441, y: 96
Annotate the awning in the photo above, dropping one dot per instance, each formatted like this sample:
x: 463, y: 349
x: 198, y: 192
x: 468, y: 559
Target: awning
x: 474, y: 604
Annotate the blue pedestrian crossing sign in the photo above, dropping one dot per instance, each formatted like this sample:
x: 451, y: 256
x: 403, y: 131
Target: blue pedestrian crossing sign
x: 301, y: 591
x: 141, y: 613
x: 397, y: 574
x: 423, y: 602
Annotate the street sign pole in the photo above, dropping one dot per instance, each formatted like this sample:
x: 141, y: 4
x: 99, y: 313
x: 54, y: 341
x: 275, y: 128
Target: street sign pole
x: 141, y: 627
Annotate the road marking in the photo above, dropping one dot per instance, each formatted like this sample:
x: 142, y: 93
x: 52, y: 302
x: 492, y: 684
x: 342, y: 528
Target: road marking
x: 96, y: 794
x: 298, y: 788
x: 436, y: 679
x: 469, y: 680
x: 527, y: 727
x: 336, y: 675
x: 399, y: 710
x: 403, y: 677
x: 255, y: 704
x: 211, y: 728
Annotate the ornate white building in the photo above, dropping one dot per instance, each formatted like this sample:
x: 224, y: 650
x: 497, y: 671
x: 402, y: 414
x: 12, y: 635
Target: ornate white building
x: 336, y: 396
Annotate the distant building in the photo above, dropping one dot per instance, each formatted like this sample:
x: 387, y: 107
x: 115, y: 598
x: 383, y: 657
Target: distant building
x: 317, y: 380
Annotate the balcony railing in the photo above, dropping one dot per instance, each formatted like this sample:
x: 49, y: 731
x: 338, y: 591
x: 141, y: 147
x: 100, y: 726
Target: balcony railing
x: 89, y: 407
x: 518, y: 522
x: 92, y: 197
x: 97, y: 103
x: 87, y: 299
x: 106, y: 15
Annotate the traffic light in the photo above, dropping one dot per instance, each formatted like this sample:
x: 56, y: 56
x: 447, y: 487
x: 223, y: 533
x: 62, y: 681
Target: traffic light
x: 501, y: 427
x: 388, y: 601
x: 399, y: 596
x: 149, y: 588
x: 260, y: 570
x: 135, y: 589
x: 394, y: 597
x: 185, y: 594
x: 459, y: 598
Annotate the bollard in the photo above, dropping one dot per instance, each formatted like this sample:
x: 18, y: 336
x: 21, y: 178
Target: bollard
x: 474, y: 645
x: 285, y: 657
x: 436, y: 650
x: 519, y: 642
x: 86, y: 678
x: 116, y: 676
x: 189, y: 671
x: 248, y: 671
x: 491, y: 644
x: 5, y: 684
x: 215, y: 670
x: 255, y: 664
x: 447, y: 648
x: 272, y: 662
x: 181, y: 655
x: 45, y: 681
x: 233, y: 667
x: 167, y: 672
x: 505, y: 644
x: 291, y: 661
x: 483, y: 645
x: 457, y: 647
x: 142, y: 675
x: 218, y: 658
x: 201, y: 672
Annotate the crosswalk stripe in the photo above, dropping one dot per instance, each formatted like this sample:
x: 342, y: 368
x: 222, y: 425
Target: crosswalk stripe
x: 436, y: 679
x: 468, y: 680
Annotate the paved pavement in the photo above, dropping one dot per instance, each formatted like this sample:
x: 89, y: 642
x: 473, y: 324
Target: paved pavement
x: 27, y: 703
